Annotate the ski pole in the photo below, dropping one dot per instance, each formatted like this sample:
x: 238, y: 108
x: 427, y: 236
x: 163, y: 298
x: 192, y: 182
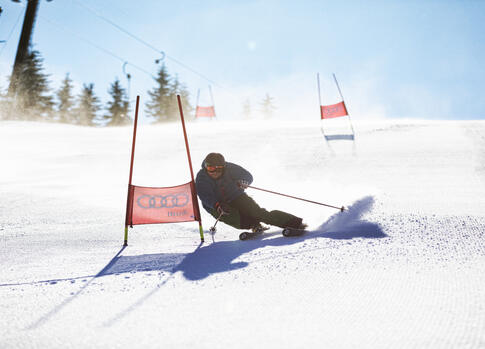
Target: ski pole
x: 213, y: 228
x: 294, y: 197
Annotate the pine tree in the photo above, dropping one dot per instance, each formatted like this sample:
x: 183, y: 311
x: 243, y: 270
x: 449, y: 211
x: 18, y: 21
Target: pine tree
x: 160, y: 96
x: 118, y: 108
x: 4, y: 103
x: 247, y: 109
x: 32, y: 89
x: 267, y: 106
x: 65, y: 101
x: 177, y: 88
x: 87, y: 107
x: 184, y: 97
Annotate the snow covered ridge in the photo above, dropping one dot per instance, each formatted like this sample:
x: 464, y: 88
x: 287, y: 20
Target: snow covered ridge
x: 403, y: 267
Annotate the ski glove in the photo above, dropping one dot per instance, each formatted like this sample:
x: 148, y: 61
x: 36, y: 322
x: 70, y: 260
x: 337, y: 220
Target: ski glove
x: 222, y: 208
x: 243, y: 184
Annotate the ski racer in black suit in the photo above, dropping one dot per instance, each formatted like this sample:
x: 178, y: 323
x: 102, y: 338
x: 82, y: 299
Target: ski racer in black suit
x: 220, y: 187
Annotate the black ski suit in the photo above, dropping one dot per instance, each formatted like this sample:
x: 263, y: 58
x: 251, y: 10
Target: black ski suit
x: 244, y: 212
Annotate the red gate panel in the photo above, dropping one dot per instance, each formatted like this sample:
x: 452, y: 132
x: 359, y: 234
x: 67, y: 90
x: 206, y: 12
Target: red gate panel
x: 149, y: 205
x: 333, y: 111
x: 205, y: 112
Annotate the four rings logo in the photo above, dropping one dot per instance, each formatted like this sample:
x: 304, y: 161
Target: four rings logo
x: 163, y: 201
x: 331, y: 110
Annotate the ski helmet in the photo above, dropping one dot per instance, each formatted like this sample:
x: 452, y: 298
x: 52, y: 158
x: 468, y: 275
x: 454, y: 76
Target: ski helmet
x: 214, y: 159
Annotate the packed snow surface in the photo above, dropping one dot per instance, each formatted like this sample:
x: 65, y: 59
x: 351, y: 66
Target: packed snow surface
x: 403, y: 266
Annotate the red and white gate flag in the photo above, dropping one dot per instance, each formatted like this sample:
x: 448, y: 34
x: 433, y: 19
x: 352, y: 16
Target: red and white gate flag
x: 148, y: 205
x: 333, y: 111
x: 205, y: 112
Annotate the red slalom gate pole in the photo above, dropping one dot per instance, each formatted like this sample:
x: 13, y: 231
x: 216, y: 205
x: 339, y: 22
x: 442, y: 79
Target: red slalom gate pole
x: 128, y: 203
x: 194, y: 199
x: 294, y: 197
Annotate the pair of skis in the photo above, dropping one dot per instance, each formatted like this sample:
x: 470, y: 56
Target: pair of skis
x: 287, y: 232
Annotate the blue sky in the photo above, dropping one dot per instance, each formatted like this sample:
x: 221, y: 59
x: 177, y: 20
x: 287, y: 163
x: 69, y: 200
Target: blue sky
x: 421, y: 59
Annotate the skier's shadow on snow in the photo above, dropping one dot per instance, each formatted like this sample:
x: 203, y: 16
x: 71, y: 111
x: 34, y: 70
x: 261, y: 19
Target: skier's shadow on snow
x: 219, y: 256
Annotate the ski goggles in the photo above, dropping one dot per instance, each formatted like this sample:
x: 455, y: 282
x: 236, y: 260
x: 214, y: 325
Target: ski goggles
x: 214, y: 168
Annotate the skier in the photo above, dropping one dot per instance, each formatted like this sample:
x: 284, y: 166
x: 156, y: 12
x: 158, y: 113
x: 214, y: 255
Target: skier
x: 220, y: 186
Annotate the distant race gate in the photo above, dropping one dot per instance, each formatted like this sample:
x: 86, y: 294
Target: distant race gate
x: 332, y: 131
x: 205, y: 112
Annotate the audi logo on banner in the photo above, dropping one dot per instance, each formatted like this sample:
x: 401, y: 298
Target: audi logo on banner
x: 333, y: 110
x: 163, y: 201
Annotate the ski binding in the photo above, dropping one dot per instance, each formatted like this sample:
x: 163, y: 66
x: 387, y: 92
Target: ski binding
x: 288, y: 232
x: 245, y: 235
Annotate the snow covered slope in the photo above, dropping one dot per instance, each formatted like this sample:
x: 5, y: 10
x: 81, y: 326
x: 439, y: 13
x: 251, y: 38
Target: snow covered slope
x: 403, y: 267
